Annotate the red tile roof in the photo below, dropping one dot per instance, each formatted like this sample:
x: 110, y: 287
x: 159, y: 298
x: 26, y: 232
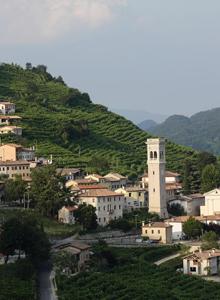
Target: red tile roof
x: 100, y: 193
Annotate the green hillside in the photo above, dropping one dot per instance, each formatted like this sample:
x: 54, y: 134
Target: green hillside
x: 64, y: 122
x: 201, y: 131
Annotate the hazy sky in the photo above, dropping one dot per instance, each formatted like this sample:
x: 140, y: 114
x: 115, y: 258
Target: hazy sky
x: 155, y: 55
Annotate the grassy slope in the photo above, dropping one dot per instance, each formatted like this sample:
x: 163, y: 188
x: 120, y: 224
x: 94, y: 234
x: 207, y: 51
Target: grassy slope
x: 111, y: 136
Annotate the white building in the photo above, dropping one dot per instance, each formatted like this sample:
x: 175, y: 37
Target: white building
x: 134, y: 197
x: 69, y: 173
x: 7, y: 108
x: 66, y: 214
x: 156, y: 176
x: 190, y: 203
x: 108, y: 204
x: 212, y: 203
x: 177, y: 226
x: 202, y: 263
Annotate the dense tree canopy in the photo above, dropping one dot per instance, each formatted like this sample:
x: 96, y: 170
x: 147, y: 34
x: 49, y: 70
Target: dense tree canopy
x: 192, y: 228
x: 48, y: 190
x: 85, y: 215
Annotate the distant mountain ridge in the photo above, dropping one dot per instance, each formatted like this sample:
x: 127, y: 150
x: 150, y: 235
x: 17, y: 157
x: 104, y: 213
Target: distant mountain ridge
x: 200, y: 131
x: 147, y: 124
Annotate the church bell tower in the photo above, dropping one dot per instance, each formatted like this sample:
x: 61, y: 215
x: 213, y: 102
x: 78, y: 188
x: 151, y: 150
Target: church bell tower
x: 156, y: 176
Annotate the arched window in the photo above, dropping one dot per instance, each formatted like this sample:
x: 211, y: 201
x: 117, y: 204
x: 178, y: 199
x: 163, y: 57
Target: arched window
x: 151, y: 155
x: 155, y: 154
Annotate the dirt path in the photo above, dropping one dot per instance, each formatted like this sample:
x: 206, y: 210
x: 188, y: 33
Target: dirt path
x: 165, y: 259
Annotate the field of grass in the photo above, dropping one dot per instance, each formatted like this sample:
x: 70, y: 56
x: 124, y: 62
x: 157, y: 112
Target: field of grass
x: 136, y: 277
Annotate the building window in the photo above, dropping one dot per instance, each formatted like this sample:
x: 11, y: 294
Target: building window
x: 153, y: 173
x: 139, y: 194
x: 99, y: 220
x: 152, y: 231
x: 153, y: 190
x: 192, y: 269
x: 155, y: 154
x: 129, y: 194
x: 119, y: 206
x: 145, y: 231
x: 104, y: 207
x: 158, y: 231
x: 104, y: 219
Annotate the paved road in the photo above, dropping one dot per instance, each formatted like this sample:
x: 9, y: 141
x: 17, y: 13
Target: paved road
x: 161, y: 261
x: 46, y: 289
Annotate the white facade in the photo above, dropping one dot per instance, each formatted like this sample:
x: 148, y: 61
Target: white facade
x: 108, y: 204
x: 212, y: 203
x: 66, y: 215
x: 177, y: 230
x: 156, y: 176
x: 202, y: 263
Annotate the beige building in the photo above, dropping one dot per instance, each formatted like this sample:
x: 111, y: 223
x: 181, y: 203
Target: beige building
x: 11, y: 130
x: 134, y: 198
x: 15, y: 152
x: 14, y: 168
x: 158, y: 231
x: 108, y: 204
x: 7, y: 108
x: 78, y: 249
x: 202, y: 263
x: 112, y: 181
x: 212, y: 203
x: 66, y: 214
x: 156, y: 176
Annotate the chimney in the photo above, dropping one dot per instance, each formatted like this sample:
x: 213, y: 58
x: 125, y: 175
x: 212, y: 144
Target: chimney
x: 143, y: 223
x: 213, y: 250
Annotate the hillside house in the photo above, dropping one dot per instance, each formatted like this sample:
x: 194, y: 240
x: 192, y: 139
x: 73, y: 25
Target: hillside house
x: 212, y: 203
x: 112, y: 181
x: 134, y: 197
x: 66, y: 214
x: 108, y: 204
x: 14, y: 152
x: 70, y: 173
x: 7, y: 108
x: 202, y: 263
x: 7, y: 120
x: 78, y: 249
x: 157, y: 231
x: 190, y: 203
x: 11, y: 130
x: 14, y: 168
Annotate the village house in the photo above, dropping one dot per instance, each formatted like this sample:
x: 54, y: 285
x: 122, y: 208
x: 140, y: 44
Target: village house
x: 108, y: 204
x: 134, y: 197
x: 16, y: 168
x: 78, y: 249
x: 7, y: 120
x: 66, y: 214
x: 11, y: 130
x: 112, y: 181
x: 70, y: 173
x: 7, y: 108
x: 73, y: 184
x: 14, y: 152
x: 190, y: 203
x: 212, y: 203
x: 202, y: 263
x: 157, y: 231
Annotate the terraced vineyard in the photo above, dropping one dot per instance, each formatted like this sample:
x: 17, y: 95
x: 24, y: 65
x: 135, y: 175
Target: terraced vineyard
x: 48, y: 107
x: 137, y: 278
